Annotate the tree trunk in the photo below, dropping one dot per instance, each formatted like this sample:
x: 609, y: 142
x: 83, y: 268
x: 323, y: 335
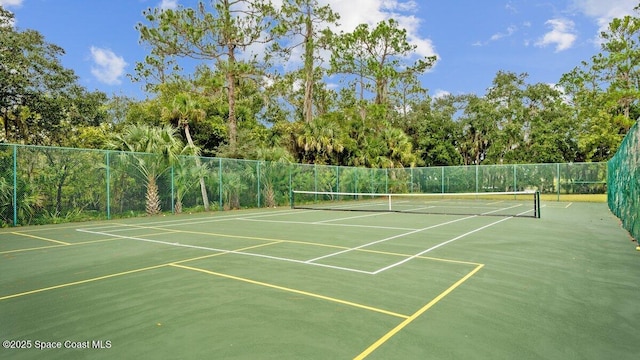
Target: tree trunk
x: 203, y: 186
x: 231, y: 86
x: 308, y: 70
x: 153, y: 198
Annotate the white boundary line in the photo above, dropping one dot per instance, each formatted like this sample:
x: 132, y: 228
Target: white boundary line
x: 444, y: 243
x: 310, y: 261
x: 221, y: 250
x: 387, y: 239
x: 180, y: 222
x: 439, y: 245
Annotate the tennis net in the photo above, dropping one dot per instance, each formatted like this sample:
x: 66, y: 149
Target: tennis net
x: 516, y: 204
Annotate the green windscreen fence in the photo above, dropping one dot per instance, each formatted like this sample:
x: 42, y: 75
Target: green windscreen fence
x: 623, y: 186
x: 42, y: 185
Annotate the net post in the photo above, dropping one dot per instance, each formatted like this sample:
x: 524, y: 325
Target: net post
x: 389, y: 197
x: 536, y: 204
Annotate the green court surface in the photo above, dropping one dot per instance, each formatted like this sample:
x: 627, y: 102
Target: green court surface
x: 311, y: 284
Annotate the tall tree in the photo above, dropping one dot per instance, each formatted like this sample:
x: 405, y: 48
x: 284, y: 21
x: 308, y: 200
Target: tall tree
x: 306, y: 22
x: 376, y: 58
x: 433, y: 130
x: 478, y: 129
x: 605, y: 91
x: 506, y: 98
x: 39, y: 99
x: 220, y: 32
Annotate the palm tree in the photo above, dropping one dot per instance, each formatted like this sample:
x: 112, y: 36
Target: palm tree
x: 162, y: 147
x: 320, y: 140
x: 399, y: 147
x: 183, y: 110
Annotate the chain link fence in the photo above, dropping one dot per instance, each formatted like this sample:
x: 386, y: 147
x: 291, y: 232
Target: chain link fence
x: 43, y: 185
x: 623, y: 187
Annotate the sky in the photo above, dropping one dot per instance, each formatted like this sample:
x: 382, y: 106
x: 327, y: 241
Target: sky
x: 472, y: 39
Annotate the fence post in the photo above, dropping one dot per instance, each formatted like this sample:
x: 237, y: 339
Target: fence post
x: 515, y: 178
x: 315, y: 180
x: 291, y: 185
x: 411, y: 179
x: 386, y: 180
x: 220, y: 201
x: 258, y: 175
x: 173, y: 197
x: 15, y: 185
x: 477, y: 177
x: 108, y: 179
x: 558, y: 181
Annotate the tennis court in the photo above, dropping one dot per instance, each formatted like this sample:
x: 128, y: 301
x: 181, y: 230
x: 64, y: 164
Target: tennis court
x: 313, y: 284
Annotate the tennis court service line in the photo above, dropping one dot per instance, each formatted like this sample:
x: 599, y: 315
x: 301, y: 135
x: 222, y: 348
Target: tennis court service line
x: 439, y: 245
x: 223, y: 251
x: 388, y: 238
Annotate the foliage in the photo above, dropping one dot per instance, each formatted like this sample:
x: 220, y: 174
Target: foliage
x: 153, y: 150
x: 40, y: 101
x: 212, y: 73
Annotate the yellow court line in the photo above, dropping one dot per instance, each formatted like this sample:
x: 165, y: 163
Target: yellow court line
x: 31, y: 249
x: 224, y: 253
x: 205, y: 233
x: 56, y: 246
x: 411, y: 318
x: 81, y: 282
x: 40, y: 238
x: 230, y: 236
x: 305, y: 293
x: 121, y: 273
x: 292, y: 242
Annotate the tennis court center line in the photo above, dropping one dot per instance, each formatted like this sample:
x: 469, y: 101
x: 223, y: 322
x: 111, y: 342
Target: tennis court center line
x: 439, y: 245
x: 295, y: 291
x: 415, y: 315
x: 85, y: 281
x: 40, y: 238
x: 388, y: 238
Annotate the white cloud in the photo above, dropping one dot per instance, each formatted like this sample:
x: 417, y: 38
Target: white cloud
x: 561, y: 34
x: 605, y: 11
x: 8, y: 3
x: 109, y: 67
x: 168, y: 4
x: 371, y: 12
x: 356, y: 12
x: 510, y: 30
